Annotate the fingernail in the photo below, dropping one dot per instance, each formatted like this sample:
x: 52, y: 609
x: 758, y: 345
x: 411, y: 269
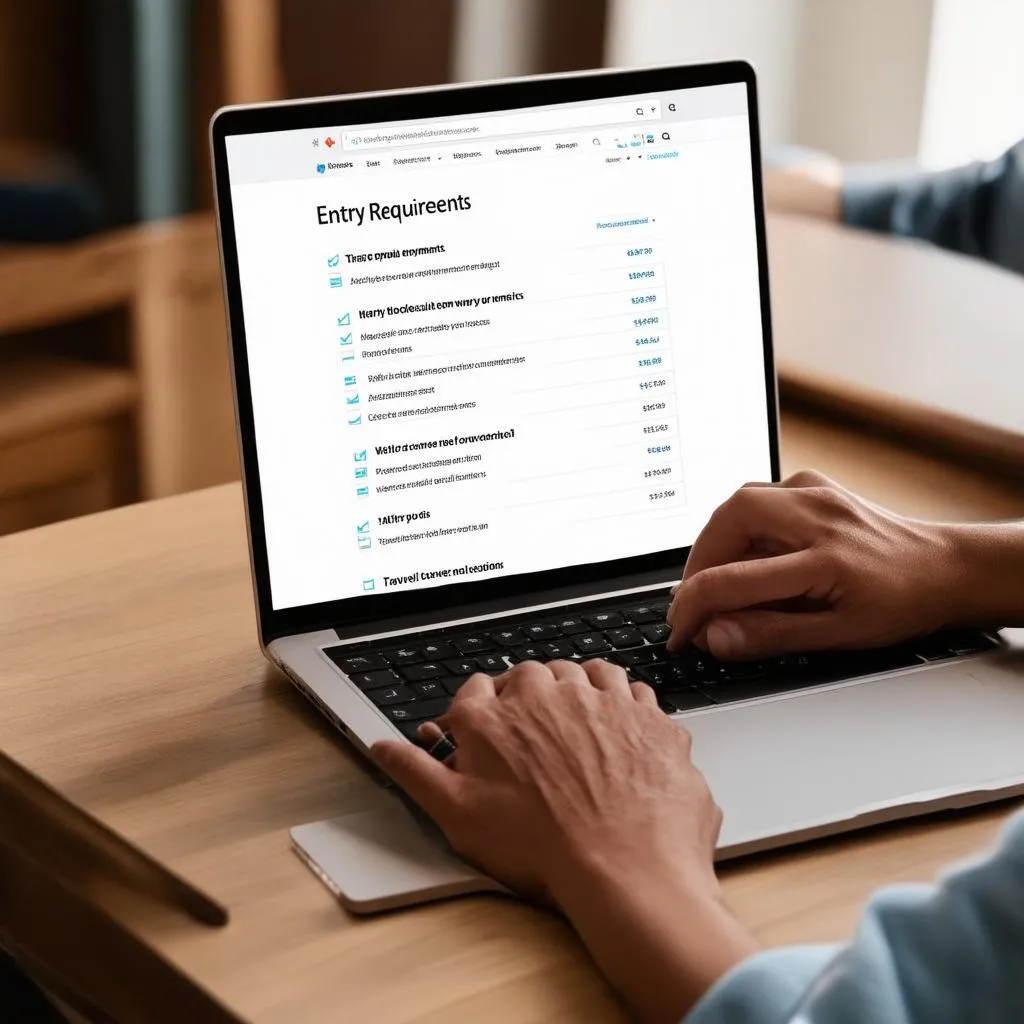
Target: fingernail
x: 725, y: 639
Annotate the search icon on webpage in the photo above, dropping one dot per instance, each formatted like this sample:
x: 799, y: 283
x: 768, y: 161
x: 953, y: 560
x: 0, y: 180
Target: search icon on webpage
x: 665, y: 137
x: 672, y: 107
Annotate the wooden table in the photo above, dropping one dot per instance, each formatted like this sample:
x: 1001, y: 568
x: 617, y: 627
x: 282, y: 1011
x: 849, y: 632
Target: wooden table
x: 132, y: 681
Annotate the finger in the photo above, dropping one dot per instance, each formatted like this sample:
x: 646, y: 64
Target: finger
x: 762, y: 634
x: 643, y: 694
x: 435, y: 787
x: 725, y: 588
x: 603, y: 675
x: 527, y: 674
x: 428, y: 734
x: 568, y: 671
x: 477, y: 685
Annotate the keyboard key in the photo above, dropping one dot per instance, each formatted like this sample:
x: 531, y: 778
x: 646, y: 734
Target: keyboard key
x: 729, y: 693
x: 391, y: 695
x: 436, y: 651
x: 507, y: 637
x: 452, y: 684
x: 685, y: 700
x: 570, y: 627
x: 657, y: 632
x: 371, y: 680
x: 491, y: 663
x: 542, y: 631
x: 472, y: 644
x: 419, y: 673
x: 417, y: 711
x: 637, y: 656
x: 657, y: 675
x: 643, y: 614
x: 560, y: 649
x: 463, y: 667
x: 403, y: 656
x: 427, y: 690
x: 604, y: 620
x: 528, y: 652
x: 591, y: 643
x: 350, y: 663
x: 625, y: 636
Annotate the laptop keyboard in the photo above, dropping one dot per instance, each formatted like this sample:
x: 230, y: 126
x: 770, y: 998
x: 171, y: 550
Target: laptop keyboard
x: 414, y: 677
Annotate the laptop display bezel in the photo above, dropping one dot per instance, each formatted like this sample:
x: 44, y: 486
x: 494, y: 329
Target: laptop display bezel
x: 432, y: 103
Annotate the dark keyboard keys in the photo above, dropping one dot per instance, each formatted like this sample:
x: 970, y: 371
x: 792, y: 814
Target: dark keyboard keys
x: 528, y: 652
x: 636, y: 656
x: 417, y: 711
x: 604, y: 620
x: 591, y: 643
x: 491, y: 663
x: 350, y: 663
x: 542, y: 631
x: 386, y: 695
x: 625, y: 636
x: 656, y: 632
x: 472, y: 644
x: 570, y: 627
x: 371, y: 680
x: 508, y: 637
x: 643, y: 614
x: 419, y: 673
x: 560, y: 649
x: 403, y: 656
x: 427, y: 690
x: 462, y: 667
x: 685, y: 700
x: 451, y: 684
x: 437, y: 651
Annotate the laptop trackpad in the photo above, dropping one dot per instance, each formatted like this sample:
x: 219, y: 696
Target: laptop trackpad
x: 828, y: 760
x: 386, y: 857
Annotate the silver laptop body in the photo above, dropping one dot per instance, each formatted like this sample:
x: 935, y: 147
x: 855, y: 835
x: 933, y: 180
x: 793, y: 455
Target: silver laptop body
x: 498, y: 351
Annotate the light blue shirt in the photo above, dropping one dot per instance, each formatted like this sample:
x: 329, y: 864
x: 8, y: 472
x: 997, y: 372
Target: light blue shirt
x: 951, y: 953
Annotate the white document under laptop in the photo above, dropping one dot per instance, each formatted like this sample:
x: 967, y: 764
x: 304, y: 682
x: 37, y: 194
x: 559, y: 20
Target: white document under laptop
x: 499, y: 351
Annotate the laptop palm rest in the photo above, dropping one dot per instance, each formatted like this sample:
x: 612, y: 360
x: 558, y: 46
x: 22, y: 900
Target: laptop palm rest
x: 386, y: 857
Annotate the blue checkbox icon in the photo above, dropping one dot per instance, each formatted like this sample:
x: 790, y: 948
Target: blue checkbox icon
x: 355, y: 421
x: 333, y: 261
x: 359, y: 456
x: 363, y: 528
x: 369, y: 585
x: 364, y: 543
x: 352, y: 399
x: 335, y: 281
x: 350, y: 381
x: 362, y: 492
x: 345, y: 320
x: 346, y: 339
x: 361, y: 472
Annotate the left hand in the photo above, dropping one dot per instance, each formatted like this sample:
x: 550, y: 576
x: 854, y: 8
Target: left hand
x: 561, y: 764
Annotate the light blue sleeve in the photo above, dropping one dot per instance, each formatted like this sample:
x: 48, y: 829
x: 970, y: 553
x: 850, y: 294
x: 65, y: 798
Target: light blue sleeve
x: 944, y: 954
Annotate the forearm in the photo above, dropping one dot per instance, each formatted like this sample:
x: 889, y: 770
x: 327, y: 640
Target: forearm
x: 661, y: 939
x: 988, y: 588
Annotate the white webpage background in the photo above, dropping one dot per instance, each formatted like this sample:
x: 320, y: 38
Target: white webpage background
x: 549, y: 497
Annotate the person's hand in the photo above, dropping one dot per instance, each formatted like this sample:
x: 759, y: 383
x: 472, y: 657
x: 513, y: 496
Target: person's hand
x: 569, y: 785
x: 806, y: 565
x: 559, y: 765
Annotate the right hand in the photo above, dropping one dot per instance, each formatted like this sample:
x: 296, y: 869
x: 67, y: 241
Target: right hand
x: 806, y: 565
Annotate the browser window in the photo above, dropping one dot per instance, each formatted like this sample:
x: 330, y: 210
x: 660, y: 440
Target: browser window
x: 499, y: 344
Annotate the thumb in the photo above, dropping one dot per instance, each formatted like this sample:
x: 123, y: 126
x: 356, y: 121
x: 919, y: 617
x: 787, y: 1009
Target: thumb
x: 426, y: 780
x: 760, y: 634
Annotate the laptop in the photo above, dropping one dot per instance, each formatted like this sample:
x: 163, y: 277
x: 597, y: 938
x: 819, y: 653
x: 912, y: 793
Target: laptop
x: 499, y: 351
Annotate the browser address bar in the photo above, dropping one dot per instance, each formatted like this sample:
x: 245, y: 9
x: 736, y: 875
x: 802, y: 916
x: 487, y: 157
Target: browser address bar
x: 469, y: 129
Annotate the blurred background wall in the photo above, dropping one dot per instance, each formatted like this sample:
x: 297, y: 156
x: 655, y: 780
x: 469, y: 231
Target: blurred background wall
x: 113, y: 368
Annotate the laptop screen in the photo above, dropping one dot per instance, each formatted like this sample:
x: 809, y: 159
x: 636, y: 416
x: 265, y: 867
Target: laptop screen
x: 499, y: 343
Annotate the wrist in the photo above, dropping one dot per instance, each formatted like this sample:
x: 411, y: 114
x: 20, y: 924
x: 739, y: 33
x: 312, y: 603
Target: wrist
x: 658, y: 929
x: 987, y: 584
